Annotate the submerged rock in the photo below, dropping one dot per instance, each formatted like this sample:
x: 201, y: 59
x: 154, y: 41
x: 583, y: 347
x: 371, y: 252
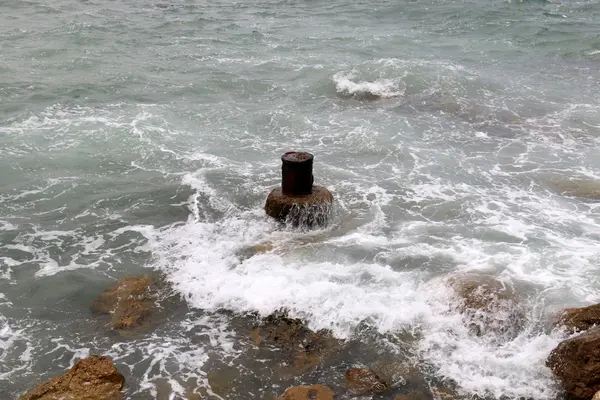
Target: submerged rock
x: 92, y: 378
x: 130, y: 301
x: 580, y: 319
x: 299, y: 347
x: 576, y: 362
x: 415, y: 395
x: 314, y: 392
x: 582, y: 187
x: 363, y: 381
x: 488, y: 305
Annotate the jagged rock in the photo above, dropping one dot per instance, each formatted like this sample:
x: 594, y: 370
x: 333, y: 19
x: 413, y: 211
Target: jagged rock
x: 130, y: 301
x: 362, y: 381
x: 93, y: 378
x: 580, y: 319
x: 314, y: 392
x: 576, y: 362
x: 488, y: 305
x: 301, y: 347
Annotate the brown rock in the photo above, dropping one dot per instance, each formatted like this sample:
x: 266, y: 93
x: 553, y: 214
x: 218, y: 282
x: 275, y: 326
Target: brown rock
x: 131, y: 301
x: 301, y: 210
x: 580, y: 319
x: 93, y: 378
x: 361, y: 381
x: 314, y: 392
x: 443, y: 393
x: 576, y: 362
x: 416, y: 395
x: 488, y: 305
x: 582, y: 187
x: 302, y: 348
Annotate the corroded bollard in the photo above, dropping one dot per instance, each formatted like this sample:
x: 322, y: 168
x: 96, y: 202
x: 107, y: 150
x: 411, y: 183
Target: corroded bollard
x: 298, y: 201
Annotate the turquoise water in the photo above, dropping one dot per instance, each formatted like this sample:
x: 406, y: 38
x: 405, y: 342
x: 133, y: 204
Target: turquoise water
x: 140, y: 137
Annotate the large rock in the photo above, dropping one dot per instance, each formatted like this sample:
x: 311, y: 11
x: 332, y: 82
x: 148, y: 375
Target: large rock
x: 576, y: 362
x: 314, y: 392
x: 93, y: 378
x: 301, y: 210
x: 130, y: 301
x: 488, y: 306
x: 363, y: 381
x: 580, y: 319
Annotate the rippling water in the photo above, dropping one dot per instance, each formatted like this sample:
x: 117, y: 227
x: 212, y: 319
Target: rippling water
x: 140, y: 136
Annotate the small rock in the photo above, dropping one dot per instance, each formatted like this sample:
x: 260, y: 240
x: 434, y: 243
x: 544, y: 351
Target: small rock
x: 314, y: 392
x: 443, y: 393
x: 362, y: 381
x: 131, y: 301
x: 488, y: 305
x: 596, y: 396
x: 92, y: 378
x: 576, y: 362
x: 580, y: 319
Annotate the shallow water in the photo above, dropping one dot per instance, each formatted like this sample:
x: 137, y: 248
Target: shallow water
x: 140, y: 137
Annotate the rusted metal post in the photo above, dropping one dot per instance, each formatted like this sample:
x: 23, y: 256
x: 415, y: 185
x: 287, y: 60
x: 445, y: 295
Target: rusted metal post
x: 298, y: 201
x: 297, y: 173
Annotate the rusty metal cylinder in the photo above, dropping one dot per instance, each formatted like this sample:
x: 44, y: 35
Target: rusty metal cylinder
x: 297, y: 173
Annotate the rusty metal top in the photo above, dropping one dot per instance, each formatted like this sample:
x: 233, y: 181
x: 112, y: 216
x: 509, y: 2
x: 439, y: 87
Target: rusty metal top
x: 296, y: 157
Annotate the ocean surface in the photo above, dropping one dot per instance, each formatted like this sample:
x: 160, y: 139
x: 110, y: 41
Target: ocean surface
x: 143, y: 137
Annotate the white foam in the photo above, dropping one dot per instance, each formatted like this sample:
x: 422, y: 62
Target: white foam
x: 202, y: 259
x: 381, y: 88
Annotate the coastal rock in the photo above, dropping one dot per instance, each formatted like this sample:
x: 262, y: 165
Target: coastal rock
x: 314, y: 392
x: 416, y: 395
x: 362, y: 381
x: 301, y: 210
x: 488, y: 306
x: 576, y: 362
x: 300, y: 347
x: 92, y: 378
x: 130, y: 301
x: 580, y: 319
x: 443, y: 393
x: 581, y: 187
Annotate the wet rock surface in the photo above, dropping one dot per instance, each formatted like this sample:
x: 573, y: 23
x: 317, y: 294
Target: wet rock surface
x: 301, y: 348
x: 93, y: 378
x: 581, y: 187
x: 363, y: 381
x: 576, y: 362
x: 489, y: 306
x: 313, y: 392
x: 131, y: 301
x: 301, y: 210
x: 580, y: 319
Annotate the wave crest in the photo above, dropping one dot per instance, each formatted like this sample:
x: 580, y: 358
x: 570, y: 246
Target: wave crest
x: 365, y: 90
